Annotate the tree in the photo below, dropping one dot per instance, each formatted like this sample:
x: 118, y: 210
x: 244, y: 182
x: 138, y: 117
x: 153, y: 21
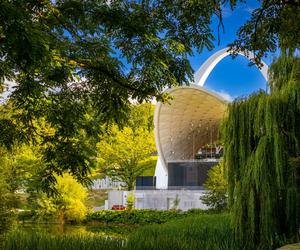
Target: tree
x: 217, y: 188
x: 21, y: 167
x: 130, y: 201
x: 16, y: 172
x: 67, y: 205
x: 77, y: 65
x: 17, y: 176
x: 141, y: 116
x: 273, y: 25
x: 124, y: 154
x: 261, y: 142
x: 6, y: 205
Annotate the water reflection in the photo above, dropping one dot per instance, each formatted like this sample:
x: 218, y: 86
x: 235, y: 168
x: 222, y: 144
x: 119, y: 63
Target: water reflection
x: 112, y: 231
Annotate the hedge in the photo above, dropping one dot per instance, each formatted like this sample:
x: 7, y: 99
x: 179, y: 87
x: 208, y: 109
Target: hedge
x: 139, y: 216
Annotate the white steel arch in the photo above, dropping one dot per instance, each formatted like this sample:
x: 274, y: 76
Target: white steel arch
x: 203, y: 72
x: 196, y: 99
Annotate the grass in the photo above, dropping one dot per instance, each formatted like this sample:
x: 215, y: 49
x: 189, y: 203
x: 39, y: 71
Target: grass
x: 96, y: 198
x: 19, y: 240
x: 206, y: 231
x: 198, y: 231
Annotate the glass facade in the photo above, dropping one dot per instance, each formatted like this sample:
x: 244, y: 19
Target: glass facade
x: 145, y: 182
x: 188, y: 174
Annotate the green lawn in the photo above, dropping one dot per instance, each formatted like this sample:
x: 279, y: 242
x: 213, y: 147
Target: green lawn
x: 203, y: 231
x: 96, y: 198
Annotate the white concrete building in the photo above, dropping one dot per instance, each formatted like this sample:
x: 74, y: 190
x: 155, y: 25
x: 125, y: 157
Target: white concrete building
x: 190, y: 121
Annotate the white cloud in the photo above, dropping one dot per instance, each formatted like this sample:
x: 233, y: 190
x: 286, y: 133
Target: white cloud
x: 9, y: 86
x: 226, y: 96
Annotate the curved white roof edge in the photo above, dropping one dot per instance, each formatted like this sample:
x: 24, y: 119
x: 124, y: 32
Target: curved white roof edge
x: 158, y: 109
x: 200, y: 77
x: 203, y: 72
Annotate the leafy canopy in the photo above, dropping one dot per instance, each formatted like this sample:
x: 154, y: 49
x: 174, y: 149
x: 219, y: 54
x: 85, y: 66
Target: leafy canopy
x: 125, y: 154
x: 275, y: 24
x: 77, y: 64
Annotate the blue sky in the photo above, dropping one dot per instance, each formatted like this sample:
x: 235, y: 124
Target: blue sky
x: 232, y: 77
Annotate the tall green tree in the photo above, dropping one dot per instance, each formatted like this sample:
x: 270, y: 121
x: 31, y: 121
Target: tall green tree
x: 261, y: 141
x: 125, y: 154
x: 141, y: 116
x: 6, y: 205
x: 17, y: 171
x: 217, y: 188
x: 77, y: 64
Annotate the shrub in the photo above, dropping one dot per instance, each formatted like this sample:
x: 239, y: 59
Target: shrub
x: 217, y: 185
x: 130, y: 201
x: 137, y: 216
x: 68, y: 205
x: 26, y: 215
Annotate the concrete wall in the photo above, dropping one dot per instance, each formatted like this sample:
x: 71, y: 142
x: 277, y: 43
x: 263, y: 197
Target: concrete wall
x: 160, y: 199
x: 116, y: 197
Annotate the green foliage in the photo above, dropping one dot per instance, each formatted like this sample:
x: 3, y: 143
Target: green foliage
x: 18, y: 240
x: 272, y: 25
x: 176, y: 202
x: 197, y: 231
x: 50, y: 153
x: 139, y: 216
x: 46, y: 208
x: 21, y: 172
x: 16, y: 174
x: 9, y: 133
x: 125, y: 154
x: 66, y: 61
x: 283, y: 70
x: 141, y: 116
x: 6, y: 201
x: 217, y: 186
x: 194, y: 232
x: 130, y: 201
x: 149, y: 166
x: 261, y: 136
x: 68, y: 205
x: 20, y: 167
x: 26, y: 215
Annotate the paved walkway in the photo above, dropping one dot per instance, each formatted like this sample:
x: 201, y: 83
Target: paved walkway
x: 290, y: 247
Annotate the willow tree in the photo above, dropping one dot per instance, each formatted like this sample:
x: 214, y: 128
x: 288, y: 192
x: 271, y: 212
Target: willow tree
x: 262, y: 142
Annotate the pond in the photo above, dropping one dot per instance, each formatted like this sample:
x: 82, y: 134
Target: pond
x: 103, y: 230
